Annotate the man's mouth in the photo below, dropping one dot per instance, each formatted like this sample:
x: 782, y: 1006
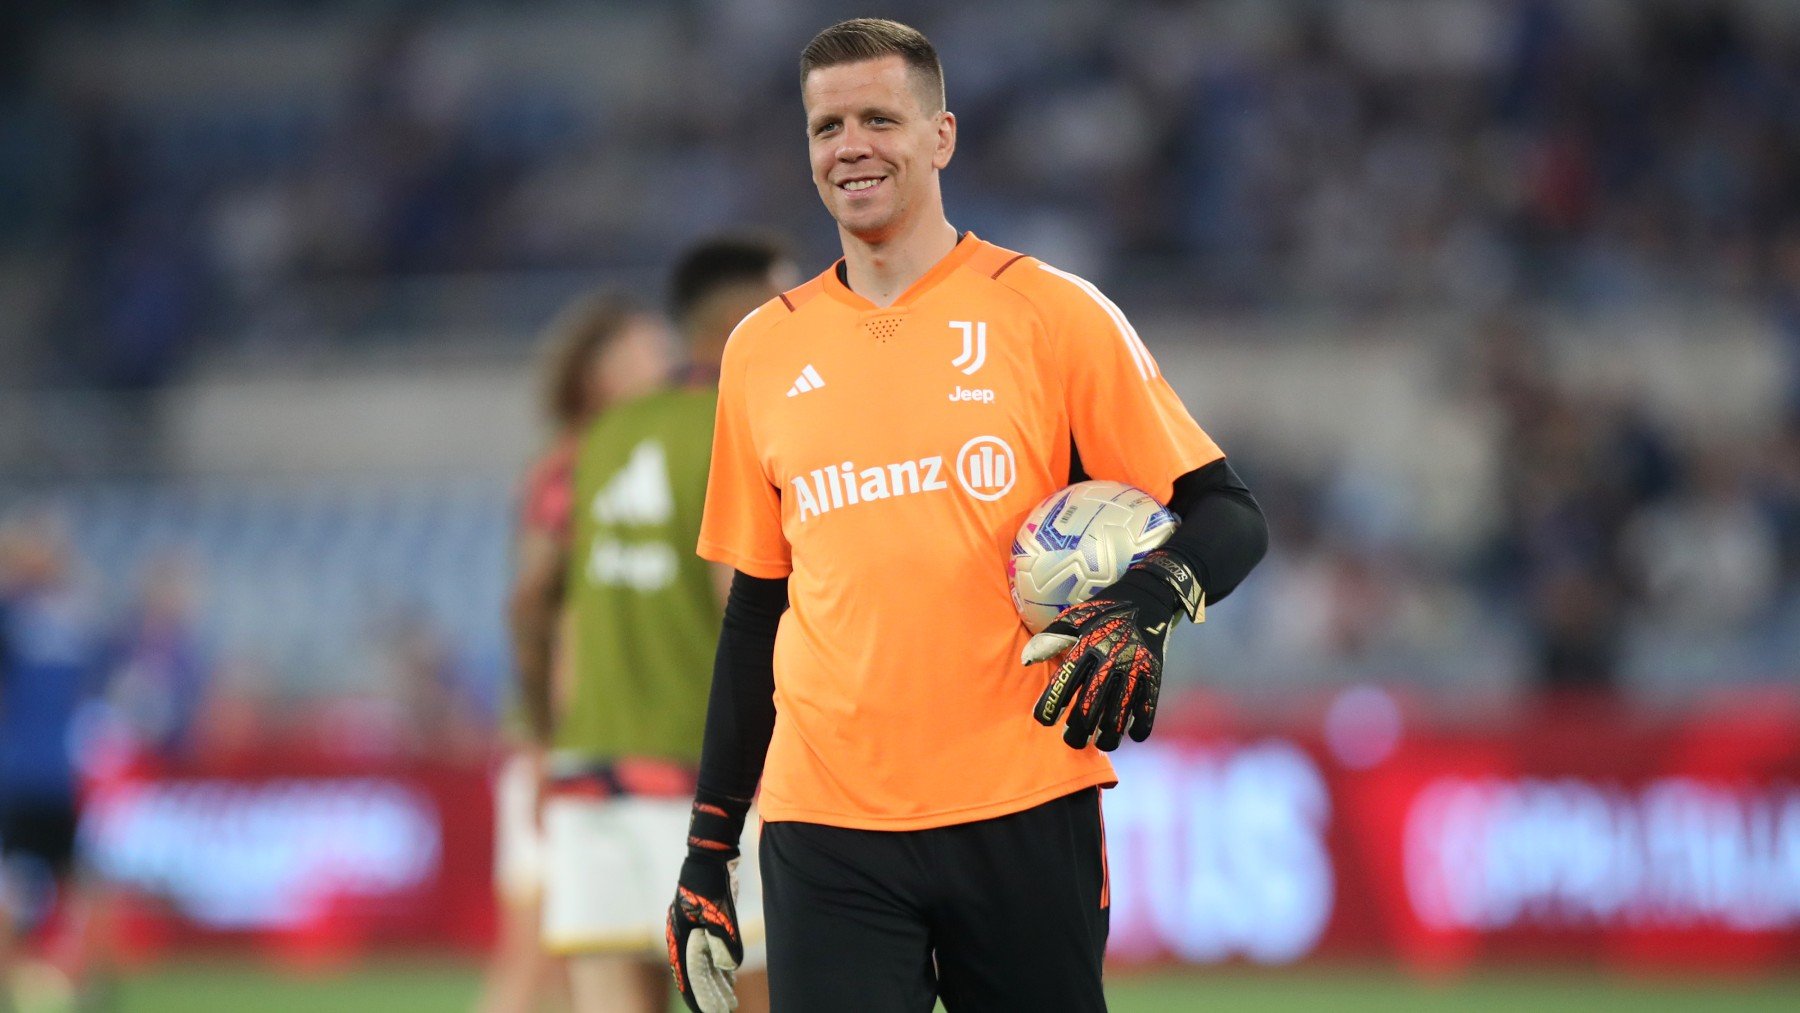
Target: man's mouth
x: 859, y: 185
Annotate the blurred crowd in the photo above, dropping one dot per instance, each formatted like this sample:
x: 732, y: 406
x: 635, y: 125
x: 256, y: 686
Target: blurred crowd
x: 1621, y: 553
x: 1626, y: 542
x: 182, y: 180
x: 1237, y: 154
x: 98, y: 675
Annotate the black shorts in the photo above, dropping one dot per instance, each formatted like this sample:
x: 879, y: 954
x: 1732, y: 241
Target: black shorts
x: 997, y: 915
x: 41, y: 831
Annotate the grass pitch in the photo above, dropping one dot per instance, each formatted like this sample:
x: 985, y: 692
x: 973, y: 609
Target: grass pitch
x: 392, y: 986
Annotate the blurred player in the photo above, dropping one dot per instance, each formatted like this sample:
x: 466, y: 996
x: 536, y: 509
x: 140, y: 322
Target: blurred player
x: 881, y: 431
x: 645, y: 615
x: 601, y: 351
x: 51, y: 657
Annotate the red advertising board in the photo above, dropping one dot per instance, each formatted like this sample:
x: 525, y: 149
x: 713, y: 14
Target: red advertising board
x: 1565, y: 834
x: 316, y: 858
x: 1570, y: 834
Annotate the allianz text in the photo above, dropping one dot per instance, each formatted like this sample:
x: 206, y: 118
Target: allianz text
x: 822, y: 490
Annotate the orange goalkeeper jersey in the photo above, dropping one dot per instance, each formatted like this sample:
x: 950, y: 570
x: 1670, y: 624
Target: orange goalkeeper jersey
x: 882, y: 459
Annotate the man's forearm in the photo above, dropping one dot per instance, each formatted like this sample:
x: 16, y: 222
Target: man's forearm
x: 533, y: 616
x: 1222, y: 535
x: 532, y: 653
x: 740, y: 712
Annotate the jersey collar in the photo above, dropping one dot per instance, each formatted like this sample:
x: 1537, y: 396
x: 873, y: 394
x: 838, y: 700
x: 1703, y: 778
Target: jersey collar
x: 964, y: 249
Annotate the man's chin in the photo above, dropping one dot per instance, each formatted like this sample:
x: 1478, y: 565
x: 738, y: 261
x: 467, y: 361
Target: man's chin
x: 867, y: 228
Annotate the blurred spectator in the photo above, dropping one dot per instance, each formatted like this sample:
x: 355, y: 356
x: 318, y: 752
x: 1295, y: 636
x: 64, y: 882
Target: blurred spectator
x: 1708, y: 560
x: 160, y: 676
x: 441, y: 717
x: 239, y: 717
x: 50, y: 660
x: 1556, y: 555
x: 1786, y: 304
x: 412, y: 702
x: 1778, y: 491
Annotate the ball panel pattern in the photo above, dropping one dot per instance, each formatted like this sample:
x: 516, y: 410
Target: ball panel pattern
x: 1079, y: 540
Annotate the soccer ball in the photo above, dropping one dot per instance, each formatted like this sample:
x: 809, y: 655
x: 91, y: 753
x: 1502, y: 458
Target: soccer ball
x: 1079, y: 540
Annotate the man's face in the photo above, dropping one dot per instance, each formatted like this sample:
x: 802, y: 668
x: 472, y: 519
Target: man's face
x: 875, y: 147
x: 632, y: 363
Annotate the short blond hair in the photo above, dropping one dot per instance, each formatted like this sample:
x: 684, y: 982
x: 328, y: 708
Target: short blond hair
x: 862, y: 39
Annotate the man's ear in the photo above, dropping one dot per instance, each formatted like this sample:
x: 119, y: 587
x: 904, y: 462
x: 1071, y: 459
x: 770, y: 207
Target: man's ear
x: 946, y: 140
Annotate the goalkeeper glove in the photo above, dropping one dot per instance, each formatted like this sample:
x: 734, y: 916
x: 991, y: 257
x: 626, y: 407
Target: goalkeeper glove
x: 1112, y: 648
x: 705, y: 945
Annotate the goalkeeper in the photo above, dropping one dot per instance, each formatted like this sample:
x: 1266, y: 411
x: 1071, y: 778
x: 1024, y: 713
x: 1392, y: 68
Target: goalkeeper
x: 881, y: 431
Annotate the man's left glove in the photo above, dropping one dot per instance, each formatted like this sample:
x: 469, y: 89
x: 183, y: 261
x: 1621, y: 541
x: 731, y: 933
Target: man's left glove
x: 1112, y: 650
x: 705, y: 944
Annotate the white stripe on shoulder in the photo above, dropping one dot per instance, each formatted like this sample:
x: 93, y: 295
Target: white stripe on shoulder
x: 1140, y: 353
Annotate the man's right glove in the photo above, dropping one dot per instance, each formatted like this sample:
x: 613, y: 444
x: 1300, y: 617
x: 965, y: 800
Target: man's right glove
x: 1111, y: 649
x: 705, y: 944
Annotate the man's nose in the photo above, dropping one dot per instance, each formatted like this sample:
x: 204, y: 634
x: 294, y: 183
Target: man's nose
x: 852, y: 145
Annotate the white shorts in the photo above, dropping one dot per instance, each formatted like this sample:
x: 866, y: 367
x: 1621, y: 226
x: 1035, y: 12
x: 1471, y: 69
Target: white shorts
x: 612, y: 864
x: 518, y: 843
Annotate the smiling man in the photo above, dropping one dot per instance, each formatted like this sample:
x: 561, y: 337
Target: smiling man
x: 881, y: 431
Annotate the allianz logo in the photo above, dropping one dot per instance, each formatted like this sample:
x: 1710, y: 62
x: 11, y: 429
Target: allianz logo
x: 984, y: 468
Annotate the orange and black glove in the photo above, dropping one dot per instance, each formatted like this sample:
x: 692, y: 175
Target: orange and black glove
x: 1112, y: 649
x: 705, y: 943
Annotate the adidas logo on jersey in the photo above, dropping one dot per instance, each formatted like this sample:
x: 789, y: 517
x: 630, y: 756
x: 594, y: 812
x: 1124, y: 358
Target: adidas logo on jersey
x: 808, y: 379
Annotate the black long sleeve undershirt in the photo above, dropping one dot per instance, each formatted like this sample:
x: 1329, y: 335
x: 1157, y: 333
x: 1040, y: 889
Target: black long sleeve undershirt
x: 740, y: 712
x: 1221, y: 537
